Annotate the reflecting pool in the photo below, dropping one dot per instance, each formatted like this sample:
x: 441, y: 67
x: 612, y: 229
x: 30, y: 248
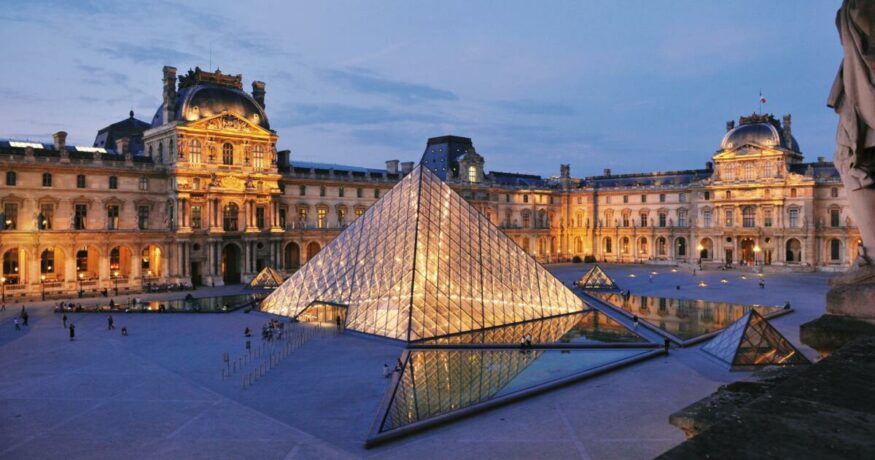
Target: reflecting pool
x: 437, y: 382
x: 587, y: 327
x: 684, y: 319
x: 194, y: 305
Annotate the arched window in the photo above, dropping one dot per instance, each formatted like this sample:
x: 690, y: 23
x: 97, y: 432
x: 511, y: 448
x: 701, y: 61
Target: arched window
x: 82, y: 260
x: 47, y: 261
x: 229, y: 217
x: 681, y: 245
x: 10, y: 266
x: 642, y: 246
x: 227, y: 154
x: 624, y: 245
x: 194, y: 151
x: 794, y: 251
x: 835, y: 250
x: 526, y: 244
x: 258, y: 157
x: 114, y: 259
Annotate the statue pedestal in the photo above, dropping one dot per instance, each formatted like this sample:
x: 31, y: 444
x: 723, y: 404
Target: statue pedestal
x: 850, y: 312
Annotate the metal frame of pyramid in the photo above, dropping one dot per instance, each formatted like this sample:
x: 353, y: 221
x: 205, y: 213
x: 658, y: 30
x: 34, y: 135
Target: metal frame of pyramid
x: 267, y: 278
x: 423, y: 263
x: 752, y: 342
x: 596, y: 278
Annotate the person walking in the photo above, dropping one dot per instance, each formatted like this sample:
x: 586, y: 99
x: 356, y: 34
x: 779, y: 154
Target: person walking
x: 24, y: 316
x: 17, y: 326
x: 386, y: 371
x: 762, y: 284
x: 110, y: 323
x: 125, y: 331
x: 528, y: 340
x: 635, y: 321
x: 666, y: 343
x: 2, y: 307
x: 72, y: 331
x: 64, y: 319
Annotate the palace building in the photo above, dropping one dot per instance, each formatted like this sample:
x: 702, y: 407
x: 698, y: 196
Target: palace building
x: 200, y: 195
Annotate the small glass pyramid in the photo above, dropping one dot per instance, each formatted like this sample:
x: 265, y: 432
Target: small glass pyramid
x: 752, y: 342
x: 423, y: 263
x: 268, y: 278
x: 596, y: 278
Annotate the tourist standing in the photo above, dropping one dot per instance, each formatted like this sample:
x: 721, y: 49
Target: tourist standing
x: 110, y: 324
x: 2, y: 307
x: 386, y: 371
x: 64, y: 319
x: 635, y: 321
x: 72, y: 331
x: 666, y: 343
x: 24, y: 316
x: 762, y: 284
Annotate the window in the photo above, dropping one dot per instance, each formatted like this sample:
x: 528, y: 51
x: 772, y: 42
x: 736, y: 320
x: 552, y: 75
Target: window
x: 707, y: 195
x: 282, y: 217
x: 662, y: 219
x: 321, y: 190
x: 792, y: 193
x: 833, y: 192
x: 146, y: 263
x: 642, y: 220
x: 706, y: 218
x: 143, y: 217
x: 835, y: 250
x: 229, y: 217
x: 681, y: 247
x: 341, y: 217
x: 82, y: 260
x: 359, y: 192
x: 376, y: 193
x: 607, y: 199
x: 47, y: 261
x: 227, y: 154
x: 47, y: 179
x: 625, y: 219
x: 194, y: 151
x: 340, y: 191
x: 525, y: 198
x: 195, y: 217
x: 302, y: 190
x: 144, y: 183
x: 767, y: 193
x: 644, y: 198
x: 662, y: 197
x: 729, y: 194
x: 682, y: 197
x: 46, y: 216
x: 748, y: 217
x: 472, y: 174
x: 608, y: 245
x: 625, y: 198
x: 10, y: 216
x: 767, y: 217
x: 748, y: 170
x: 769, y: 169
x: 834, y: 215
x: 10, y: 266
x: 113, y: 182
x: 80, y: 216
x: 11, y: 178
x: 682, y: 217
x: 259, y: 217
x: 258, y: 157
x: 80, y: 181
x: 321, y: 214
x: 112, y: 217
x: 727, y: 218
x: 160, y: 152
x: 359, y: 212
x: 526, y: 219
x: 794, y: 218
x: 302, y: 216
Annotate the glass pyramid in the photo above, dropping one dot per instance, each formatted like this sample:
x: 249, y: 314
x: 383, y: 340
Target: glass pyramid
x: 422, y: 263
x: 596, y: 278
x: 752, y: 341
x: 268, y: 278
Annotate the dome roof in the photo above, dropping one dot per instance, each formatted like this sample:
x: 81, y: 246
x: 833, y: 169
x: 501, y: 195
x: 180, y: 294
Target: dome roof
x: 207, y: 100
x: 764, y: 131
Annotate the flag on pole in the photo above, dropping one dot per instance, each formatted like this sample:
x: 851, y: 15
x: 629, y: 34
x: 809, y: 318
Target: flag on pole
x: 762, y: 98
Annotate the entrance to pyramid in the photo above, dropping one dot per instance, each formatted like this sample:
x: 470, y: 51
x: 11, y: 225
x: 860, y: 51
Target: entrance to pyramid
x: 324, y: 313
x: 422, y: 263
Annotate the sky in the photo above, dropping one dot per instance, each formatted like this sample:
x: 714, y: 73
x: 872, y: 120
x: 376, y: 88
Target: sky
x: 629, y: 85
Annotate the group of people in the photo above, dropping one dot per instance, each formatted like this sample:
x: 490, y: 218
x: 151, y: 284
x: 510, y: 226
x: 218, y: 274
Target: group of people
x: 526, y: 341
x: 271, y: 330
x: 23, y: 317
x: 387, y: 371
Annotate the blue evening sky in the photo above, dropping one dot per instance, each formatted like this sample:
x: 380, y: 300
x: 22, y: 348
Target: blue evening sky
x: 628, y: 85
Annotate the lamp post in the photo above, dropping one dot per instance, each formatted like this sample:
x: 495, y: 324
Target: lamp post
x: 756, y: 255
x: 115, y: 279
x: 700, y: 248
x: 81, y: 275
x: 42, y: 279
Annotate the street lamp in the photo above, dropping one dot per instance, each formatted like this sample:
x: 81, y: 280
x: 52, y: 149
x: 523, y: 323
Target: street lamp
x: 756, y: 254
x: 43, y: 285
x: 81, y: 275
x: 115, y: 278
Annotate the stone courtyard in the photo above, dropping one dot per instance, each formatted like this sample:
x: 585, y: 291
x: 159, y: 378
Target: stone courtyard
x: 160, y: 392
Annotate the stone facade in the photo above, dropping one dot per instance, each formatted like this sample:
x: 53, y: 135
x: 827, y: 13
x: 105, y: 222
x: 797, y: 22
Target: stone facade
x: 209, y: 200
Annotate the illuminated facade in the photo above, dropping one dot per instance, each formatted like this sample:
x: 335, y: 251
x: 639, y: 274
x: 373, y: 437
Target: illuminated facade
x: 201, y: 195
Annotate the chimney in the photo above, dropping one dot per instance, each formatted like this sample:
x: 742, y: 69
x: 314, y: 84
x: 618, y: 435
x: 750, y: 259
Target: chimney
x: 406, y: 167
x: 607, y: 171
x: 258, y: 92
x: 709, y: 166
x: 730, y: 125
x: 565, y: 171
x: 282, y: 158
x: 60, y: 138
x: 121, y: 146
x: 169, y: 93
x: 821, y: 159
x: 788, y: 133
x: 392, y: 166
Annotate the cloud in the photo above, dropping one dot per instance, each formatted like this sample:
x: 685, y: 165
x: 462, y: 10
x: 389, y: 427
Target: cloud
x: 367, y: 82
x: 147, y: 54
x: 532, y: 107
x: 342, y: 114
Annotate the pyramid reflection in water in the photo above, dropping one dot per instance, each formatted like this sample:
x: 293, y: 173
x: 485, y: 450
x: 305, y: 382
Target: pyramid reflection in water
x: 422, y: 263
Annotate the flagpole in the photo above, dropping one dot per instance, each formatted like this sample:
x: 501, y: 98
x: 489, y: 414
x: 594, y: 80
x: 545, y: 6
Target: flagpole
x: 761, y: 102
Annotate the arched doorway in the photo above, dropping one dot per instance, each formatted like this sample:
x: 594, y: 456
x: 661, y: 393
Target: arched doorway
x: 747, y: 253
x: 643, y: 250
x: 312, y: 249
x: 231, y: 264
x: 707, y: 251
x: 680, y: 245
x: 794, y: 251
x: 624, y: 245
x: 52, y: 264
x: 293, y: 256
x: 150, y: 262
x: 119, y: 262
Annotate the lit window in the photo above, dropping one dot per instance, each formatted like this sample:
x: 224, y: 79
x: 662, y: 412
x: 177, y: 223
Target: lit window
x: 258, y: 157
x: 46, y: 216
x: 10, y: 216
x: 194, y: 151
x: 229, y: 217
x: 472, y: 174
x: 195, y: 217
x: 112, y: 217
x: 321, y: 214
